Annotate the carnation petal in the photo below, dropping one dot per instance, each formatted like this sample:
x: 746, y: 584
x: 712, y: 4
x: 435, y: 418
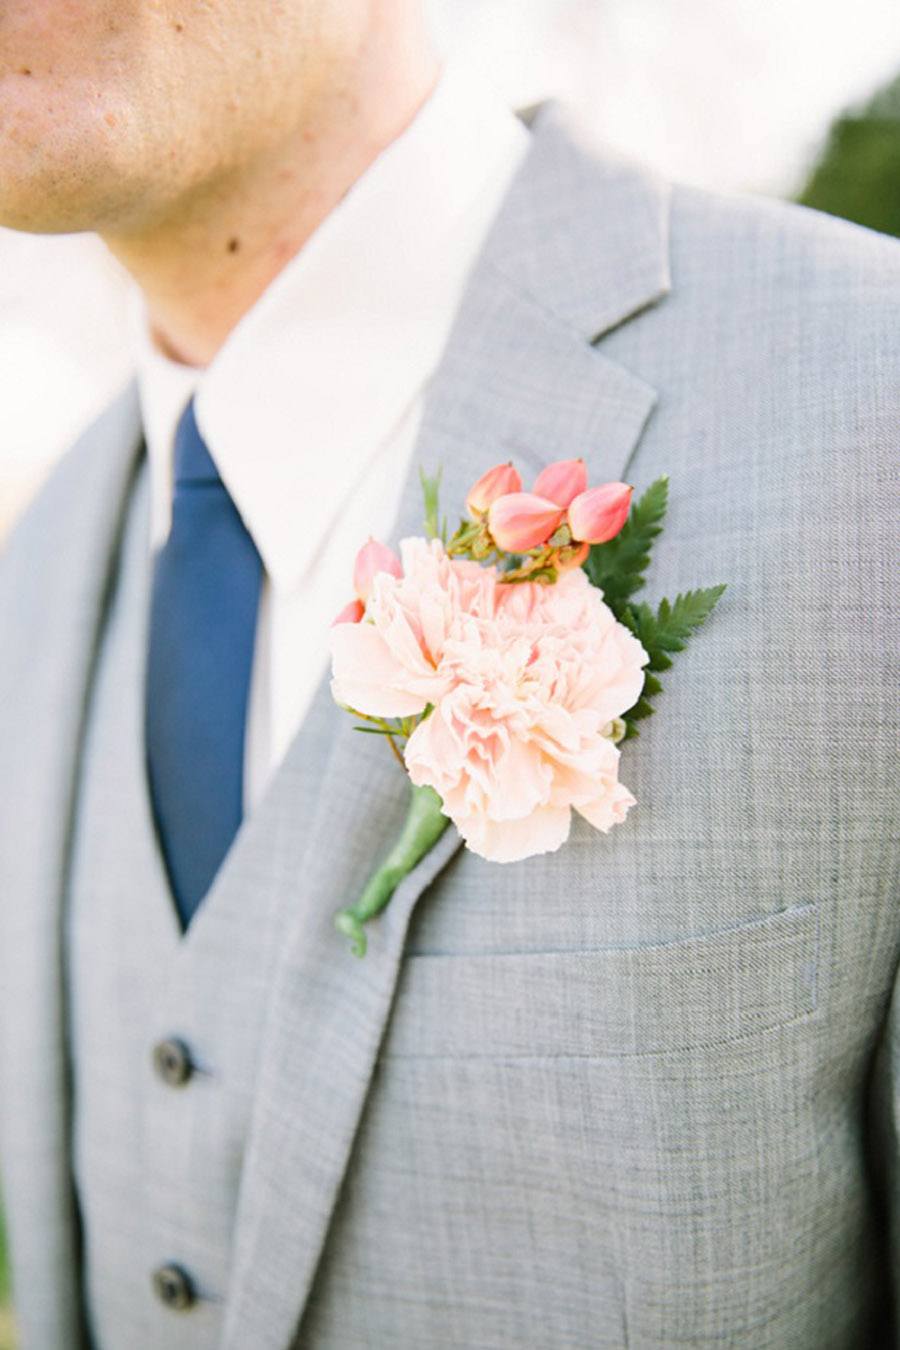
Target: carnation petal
x: 367, y: 677
x: 608, y: 809
x: 622, y: 674
x: 522, y: 781
x: 506, y: 841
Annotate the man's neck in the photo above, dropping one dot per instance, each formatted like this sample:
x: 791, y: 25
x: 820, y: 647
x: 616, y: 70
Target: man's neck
x: 201, y: 269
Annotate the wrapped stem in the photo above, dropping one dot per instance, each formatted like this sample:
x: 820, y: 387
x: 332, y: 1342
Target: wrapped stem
x: 424, y: 824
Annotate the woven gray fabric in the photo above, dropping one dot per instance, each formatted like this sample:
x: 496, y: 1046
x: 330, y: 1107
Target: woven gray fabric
x: 132, y: 982
x: 618, y: 1095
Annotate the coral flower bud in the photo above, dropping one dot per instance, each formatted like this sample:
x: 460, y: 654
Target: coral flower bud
x: 498, y: 481
x: 371, y: 559
x: 598, y: 515
x: 563, y: 481
x: 520, y: 521
x: 352, y: 613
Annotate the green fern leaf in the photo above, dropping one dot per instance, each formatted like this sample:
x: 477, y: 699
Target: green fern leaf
x: 678, y: 620
x: 661, y: 633
x: 641, y: 709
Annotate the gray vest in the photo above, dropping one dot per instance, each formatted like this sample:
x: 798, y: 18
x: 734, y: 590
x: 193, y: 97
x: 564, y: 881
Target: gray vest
x: 157, y: 1143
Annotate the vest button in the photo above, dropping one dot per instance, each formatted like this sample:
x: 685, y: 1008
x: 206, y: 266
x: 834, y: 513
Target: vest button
x: 172, y: 1061
x: 173, y: 1287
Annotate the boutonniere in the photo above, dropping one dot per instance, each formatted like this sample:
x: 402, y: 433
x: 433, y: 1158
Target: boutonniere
x: 505, y: 665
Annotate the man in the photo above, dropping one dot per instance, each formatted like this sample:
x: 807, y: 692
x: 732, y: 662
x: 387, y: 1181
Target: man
x: 636, y: 1092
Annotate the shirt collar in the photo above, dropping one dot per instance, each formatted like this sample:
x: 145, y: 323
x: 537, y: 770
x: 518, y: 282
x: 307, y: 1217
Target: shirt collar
x: 332, y: 355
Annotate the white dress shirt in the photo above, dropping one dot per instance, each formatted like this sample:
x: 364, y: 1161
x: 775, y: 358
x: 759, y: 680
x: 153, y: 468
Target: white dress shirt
x: 310, y: 408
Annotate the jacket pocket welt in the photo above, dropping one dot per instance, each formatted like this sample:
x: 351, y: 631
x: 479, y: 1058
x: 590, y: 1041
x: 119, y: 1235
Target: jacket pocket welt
x: 610, y: 1002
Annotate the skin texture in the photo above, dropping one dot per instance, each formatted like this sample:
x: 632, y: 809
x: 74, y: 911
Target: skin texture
x: 204, y: 140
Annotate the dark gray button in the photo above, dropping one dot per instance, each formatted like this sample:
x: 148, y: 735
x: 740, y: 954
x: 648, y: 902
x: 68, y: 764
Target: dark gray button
x: 172, y: 1061
x: 173, y: 1287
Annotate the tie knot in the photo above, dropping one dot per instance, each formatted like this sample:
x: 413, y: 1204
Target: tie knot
x: 193, y: 462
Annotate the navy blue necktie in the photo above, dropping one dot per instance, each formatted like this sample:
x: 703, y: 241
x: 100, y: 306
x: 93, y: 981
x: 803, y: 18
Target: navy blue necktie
x: 206, y: 584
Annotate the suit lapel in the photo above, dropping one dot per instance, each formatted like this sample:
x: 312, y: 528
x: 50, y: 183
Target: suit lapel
x: 56, y: 581
x: 578, y: 248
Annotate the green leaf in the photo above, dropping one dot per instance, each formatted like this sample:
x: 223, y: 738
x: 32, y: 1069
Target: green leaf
x: 678, y: 620
x: 618, y: 567
x: 663, y: 632
x: 431, y: 484
x: 641, y: 709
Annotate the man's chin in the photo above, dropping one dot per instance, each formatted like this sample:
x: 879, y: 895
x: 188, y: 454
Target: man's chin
x: 61, y: 193
x: 38, y: 208
x: 60, y: 166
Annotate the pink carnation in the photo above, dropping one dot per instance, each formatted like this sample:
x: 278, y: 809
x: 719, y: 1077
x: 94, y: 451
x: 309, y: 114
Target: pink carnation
x: 523, y: 680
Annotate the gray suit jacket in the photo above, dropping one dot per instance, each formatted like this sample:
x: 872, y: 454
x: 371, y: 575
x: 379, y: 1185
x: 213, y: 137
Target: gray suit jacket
x: 640, y: 1092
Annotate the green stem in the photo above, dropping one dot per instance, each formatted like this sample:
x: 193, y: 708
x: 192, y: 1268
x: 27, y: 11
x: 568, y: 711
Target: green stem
x: 425, y: 823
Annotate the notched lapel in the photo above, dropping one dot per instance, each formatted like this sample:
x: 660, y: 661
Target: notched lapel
x: 522, y: 377
x: 326, y: 1022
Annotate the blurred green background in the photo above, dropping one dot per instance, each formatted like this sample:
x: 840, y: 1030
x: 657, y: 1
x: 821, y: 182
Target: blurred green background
x: 857, y: 176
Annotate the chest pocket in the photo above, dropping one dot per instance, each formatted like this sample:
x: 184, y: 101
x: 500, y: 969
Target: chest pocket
x: 610, y: 1002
